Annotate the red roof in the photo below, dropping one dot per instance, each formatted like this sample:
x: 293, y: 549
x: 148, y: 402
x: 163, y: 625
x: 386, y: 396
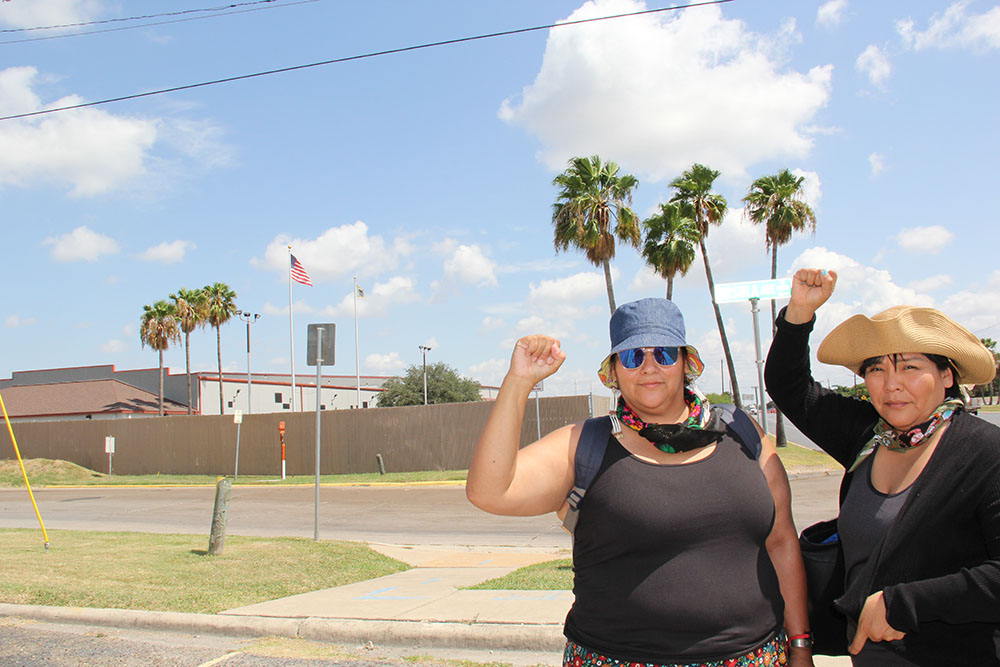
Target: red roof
x: 82, y: 398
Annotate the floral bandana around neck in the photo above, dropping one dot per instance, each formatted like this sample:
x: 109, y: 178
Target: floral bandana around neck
x: 888, y: 437
x: 673, y: 438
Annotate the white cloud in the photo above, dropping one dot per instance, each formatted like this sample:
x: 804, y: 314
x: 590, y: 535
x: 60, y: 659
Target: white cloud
x: 562, y: 298
x: 733, y: 246
x: 337, y: 253
x: 15, y: 321
x: 378, y: 300
x: 932, y: 239
x: 490, y: 372
x: 167, y: 253
x: 113, y: 346
x: 611, y: 88
x: 385, y: 364
x: 932, y: 283
x: 469, y: 265
x: 876, y: 161
x: 81, y: 245
x: 874, y: 63
x: 978, y: 308
x: 831, y: 13
x: 490, y: 324
x: 200, y: 140
x: 860, y: 289
x: 89, y: 149
x: 812, y: 188
x: 49, y: 12
x: 954, y: 29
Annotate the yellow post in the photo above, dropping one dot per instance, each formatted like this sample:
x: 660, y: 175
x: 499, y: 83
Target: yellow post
x: 23, y: 473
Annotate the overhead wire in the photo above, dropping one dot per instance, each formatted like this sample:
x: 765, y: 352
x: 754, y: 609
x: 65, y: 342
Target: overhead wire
x: 156, y: 23
x: 363, y: 56
x: 139, y: 18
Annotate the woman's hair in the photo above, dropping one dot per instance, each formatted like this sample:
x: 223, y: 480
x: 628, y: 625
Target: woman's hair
x: 943, y: 363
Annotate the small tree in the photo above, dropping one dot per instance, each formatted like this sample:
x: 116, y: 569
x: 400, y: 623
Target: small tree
x: 444, y: 385
x: 856, y: 391
x: 991, y: 388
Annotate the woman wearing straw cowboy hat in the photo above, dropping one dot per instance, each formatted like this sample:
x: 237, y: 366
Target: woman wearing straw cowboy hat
x: 685, y: 552
x: 920, y: 504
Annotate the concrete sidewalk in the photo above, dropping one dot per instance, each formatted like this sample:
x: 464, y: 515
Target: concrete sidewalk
x: 421, y: 608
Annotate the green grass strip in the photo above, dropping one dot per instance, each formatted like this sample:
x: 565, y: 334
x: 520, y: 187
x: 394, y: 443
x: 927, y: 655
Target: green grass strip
x: 160, y: 572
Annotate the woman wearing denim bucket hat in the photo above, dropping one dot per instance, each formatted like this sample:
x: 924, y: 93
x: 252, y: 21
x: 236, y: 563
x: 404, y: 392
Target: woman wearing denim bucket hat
x: 684, y: 552
x: 920, y: 503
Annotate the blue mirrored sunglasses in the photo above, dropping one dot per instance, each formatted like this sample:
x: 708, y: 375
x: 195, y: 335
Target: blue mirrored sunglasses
x: 664, y: 356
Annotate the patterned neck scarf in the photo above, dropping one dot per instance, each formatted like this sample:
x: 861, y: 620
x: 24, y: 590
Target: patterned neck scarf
x: 673, y: 438
x: 890, y: 438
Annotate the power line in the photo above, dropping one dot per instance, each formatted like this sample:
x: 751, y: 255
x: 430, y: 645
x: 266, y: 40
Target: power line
x: 139, y: 18
x: 345, y: 59
x: 156, y: 23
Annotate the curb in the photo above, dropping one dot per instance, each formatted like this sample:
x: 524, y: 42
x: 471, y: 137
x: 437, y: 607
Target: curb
x: 495, y: 636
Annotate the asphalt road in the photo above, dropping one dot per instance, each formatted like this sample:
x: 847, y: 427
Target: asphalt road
x: 795, y: 435
x: 31, y: 644
x: 426, y: 515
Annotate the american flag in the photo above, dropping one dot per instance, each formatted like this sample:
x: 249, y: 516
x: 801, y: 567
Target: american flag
x: 299, y: 274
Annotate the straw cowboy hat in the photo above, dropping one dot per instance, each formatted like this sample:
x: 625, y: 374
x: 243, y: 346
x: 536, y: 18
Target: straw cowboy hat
x: 903, y: 329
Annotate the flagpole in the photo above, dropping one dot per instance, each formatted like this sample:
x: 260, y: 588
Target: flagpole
x: 357, y: 364
x: 291, y: 334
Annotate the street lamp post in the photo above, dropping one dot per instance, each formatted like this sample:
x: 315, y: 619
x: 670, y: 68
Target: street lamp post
x: 424, y: 349
x: 249, y: 318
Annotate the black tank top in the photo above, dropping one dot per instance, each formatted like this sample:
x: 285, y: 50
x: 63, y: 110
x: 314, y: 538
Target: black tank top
x: 669, y: 561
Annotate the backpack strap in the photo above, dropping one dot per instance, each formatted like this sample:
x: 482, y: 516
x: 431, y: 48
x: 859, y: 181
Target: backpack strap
x: 741, y: 427
x: 589, y: 454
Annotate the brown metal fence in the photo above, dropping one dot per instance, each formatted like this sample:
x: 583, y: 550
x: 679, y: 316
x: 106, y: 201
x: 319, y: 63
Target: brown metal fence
x: 433, y: 437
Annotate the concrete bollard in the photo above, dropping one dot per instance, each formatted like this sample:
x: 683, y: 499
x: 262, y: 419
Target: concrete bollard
x: 220, y: 516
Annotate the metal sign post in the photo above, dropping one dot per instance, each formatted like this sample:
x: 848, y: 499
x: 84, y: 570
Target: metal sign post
x: 238, y: 419
x: 538, y: 418
x: 109, y: 448
x: 754, y: 291
x: 320, y: 348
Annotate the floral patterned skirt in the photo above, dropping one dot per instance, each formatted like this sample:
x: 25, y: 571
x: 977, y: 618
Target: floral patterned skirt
x: 770, y: 654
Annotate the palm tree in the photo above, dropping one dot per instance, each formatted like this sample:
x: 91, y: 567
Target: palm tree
x: 694, y: 188
x: 670, y: 239
x: 776, y: 201
x: 220, y: 306
x: 190, y: 306
x: 159, y: 328
x: 592, y: 209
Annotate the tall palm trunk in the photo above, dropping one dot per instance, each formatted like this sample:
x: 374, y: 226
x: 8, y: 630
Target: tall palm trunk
x: 734, y: 385
x: 187, y: 364
x: 218, y: 349
x: 779, y: 420
x: 670, y: 288
x: 607, y: 280
x: 161, y: 383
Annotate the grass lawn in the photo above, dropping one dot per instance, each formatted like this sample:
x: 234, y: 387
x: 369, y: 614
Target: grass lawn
x: 801, y: 459
x: 48, y: 472
x: 173, y: 572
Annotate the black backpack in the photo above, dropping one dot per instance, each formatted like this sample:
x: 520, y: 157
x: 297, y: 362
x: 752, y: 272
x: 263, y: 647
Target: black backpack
x: 594, y: 440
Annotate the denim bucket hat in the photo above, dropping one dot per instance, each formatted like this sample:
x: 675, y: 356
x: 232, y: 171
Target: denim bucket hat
x: 648, y: 323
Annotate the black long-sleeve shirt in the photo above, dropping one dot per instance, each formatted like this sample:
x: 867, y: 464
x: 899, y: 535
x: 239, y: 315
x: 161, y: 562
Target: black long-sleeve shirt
x: 939, y: 566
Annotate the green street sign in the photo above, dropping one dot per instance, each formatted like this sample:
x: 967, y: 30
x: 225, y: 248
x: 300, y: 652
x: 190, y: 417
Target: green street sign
x: 756, y: 289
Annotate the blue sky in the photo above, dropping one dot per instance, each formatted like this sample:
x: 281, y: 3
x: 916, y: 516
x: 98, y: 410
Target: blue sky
x: 427, y: 174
